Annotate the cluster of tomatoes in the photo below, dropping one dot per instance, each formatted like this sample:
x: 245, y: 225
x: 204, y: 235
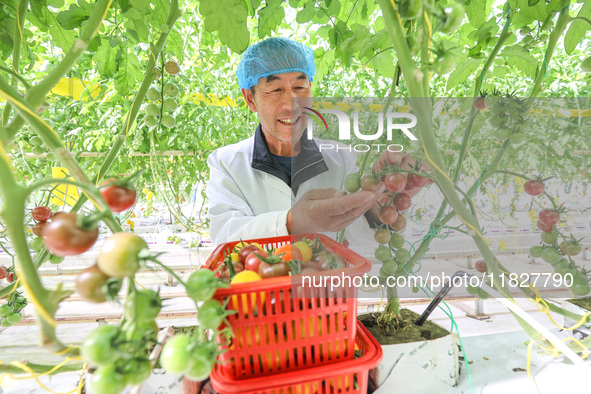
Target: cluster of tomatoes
x: 506, y: 117
x: 119, y: 352
x: 301, y: 257
x: 167, y: 95
x: 189, y: 355
x: 7, y: 273
x: 559, y: 255
x: 397, y: 188
x: 11, y: 312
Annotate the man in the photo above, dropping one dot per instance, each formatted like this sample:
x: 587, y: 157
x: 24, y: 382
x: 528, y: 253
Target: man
x: 276, y: 182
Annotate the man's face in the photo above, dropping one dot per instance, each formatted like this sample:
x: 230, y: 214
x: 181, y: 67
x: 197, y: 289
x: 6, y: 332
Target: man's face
x: 281, y: 117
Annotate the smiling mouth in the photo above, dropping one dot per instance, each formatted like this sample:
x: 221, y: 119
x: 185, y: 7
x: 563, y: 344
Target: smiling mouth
x: 289, y: 121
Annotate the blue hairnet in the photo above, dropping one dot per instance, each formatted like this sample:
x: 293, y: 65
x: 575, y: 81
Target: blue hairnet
x: 274, y: 56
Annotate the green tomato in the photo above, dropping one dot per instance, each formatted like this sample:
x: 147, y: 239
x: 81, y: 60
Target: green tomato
x: 580, y: 286
x: 482, y: 294
x: 152, y: 109
x: 150, y: 121
x: 548, y: 238
x: 497, y: 121
x: 453, y: 18
x: 551, y: 255
x: 176, y: 355
x: 36, y: 244
x: 527, y: 39
x: 56, y: 259
x: 201, y: 364
x: 410, y: 9
x: 153, y: 94
x: 524, y: 30
x: 517, y: 138
x: 5, y: 323
x: 142, y: 306
x: 502, y: 134
x: 390, y: 267
x: 536, y: 251
x: 36, y: 141
x: 99, y: 346
x: 382, y: 236
x: 396, y: 241
x: 136, y: 371
x: 171, y: 90
x: 106, y: 380
x: 168, y: 121
x: 202, y: 285
x: 352, y: 183
x: 119, y: 255
x: 445, y: 64
x: 14, y: 317
x: 37, y: 150
x: 382, y: 253
x: 170, y: 104
x: 211, y: 314
x: 402, y: 255
x: 5, y: 310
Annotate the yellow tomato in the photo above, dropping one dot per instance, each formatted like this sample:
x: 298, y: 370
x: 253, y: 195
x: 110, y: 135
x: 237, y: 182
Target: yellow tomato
x: 244, y: 277
x: 305, y: 249
x: 258, y: 245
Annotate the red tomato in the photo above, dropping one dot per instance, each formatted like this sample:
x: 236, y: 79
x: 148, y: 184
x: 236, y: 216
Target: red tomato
x: 533, y: 187
x: 545, y: 227
x: 267, y: 270
x: 417, y: 180
x: 3, y: 272
x: 395, y: 182
x: 388, y: 214
x: 480, y: 266
x: 370, y: 183
x: 118, y: 198
x: 63, y: 237
x: 10, y: 277
x: 479, y: 103
x: 253, y: 261
x: 245, y: 251
x: 549, y: 216
x: 399, y: 224
x: 402, y: 201
x: 41, y: 214
x: 89, y: 284
x: 37, y: 229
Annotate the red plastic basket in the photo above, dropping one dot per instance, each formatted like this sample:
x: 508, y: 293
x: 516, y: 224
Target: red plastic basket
x: 292, y: 328
x: 350, y: 376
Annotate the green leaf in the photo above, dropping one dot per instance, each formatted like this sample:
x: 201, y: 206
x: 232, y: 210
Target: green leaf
x: 255, y: 4
x: 324, y: 61
x: 142, y: 29
x: 306, y: 14
x: 128, y: 73
x: 55, y: 3
x: 175, y: 44
x: 462, y: 72
x: 160, y: 13
x: 270, y: 17
x: 228, y: 18
x: 61, y: 37
x: 73, y: 17
x: 384, y: 64
x: 105, y: 59
x: 142, y: 5
x: 517, y: 56
x: 537, y: 11
x: 531, y: 3
x: 576, y: 31
x: 124, y: 5
x: 477, y: 11
x: 334, y: 8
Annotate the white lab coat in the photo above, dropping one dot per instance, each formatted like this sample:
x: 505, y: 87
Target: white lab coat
x: 246, y: 203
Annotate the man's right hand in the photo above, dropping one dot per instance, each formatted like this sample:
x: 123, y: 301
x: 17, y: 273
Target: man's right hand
x: 329, y: 210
